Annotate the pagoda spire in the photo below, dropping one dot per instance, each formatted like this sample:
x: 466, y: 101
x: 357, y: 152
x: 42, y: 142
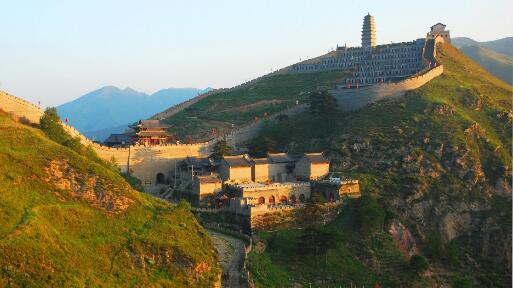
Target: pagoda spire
x: 368, y: 32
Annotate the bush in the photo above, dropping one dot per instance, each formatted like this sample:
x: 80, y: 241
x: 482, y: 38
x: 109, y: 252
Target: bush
x: 322, y: 103
x: 419, y: 263
x: 434, y: 245
x: 462, y: 282
x: 453, y: 253
x: 371, y: 216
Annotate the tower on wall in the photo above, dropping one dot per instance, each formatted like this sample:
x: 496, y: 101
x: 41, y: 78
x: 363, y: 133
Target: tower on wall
x: 368, y: 32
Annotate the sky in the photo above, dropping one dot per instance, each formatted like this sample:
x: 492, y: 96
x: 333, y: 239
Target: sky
x: 55, y: 51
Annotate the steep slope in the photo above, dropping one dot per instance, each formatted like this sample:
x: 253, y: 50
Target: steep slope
x: 66, y: 221
x: 499, y: 65
x: 503, y: 46
x: 438, y: 161
x: 233, y: 108
x: 112, y: 107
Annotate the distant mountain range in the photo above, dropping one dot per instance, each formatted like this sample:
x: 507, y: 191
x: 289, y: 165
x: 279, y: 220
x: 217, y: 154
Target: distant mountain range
x: 503, y: 46
x: 110, y: 109
x: 495, y: 56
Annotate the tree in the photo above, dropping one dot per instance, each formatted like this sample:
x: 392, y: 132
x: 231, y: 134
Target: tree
x: 322, y: 103
x: 371, y: 216
x: 311, y: 216
x: 260, y: 147
x: 419, y: 263
x: 220, y: 149
x: 50, y: 123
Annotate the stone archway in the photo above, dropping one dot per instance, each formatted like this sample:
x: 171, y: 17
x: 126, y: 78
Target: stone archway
x: 261, y: 200
x: 293, y: 199
x: 331, y: 197
x: 272, y: 200
x: 283, y: 199
x: 161, y: 179
x: 302, y: 198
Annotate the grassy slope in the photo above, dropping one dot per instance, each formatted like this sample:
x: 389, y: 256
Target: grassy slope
x: 53, y: 236
x: 231, y: 107
x: 390, y: 134
x: 500, y: 65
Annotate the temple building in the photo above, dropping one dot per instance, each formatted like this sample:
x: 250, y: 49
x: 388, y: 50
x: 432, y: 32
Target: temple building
x: 151, y: 132
x: 118, y: 140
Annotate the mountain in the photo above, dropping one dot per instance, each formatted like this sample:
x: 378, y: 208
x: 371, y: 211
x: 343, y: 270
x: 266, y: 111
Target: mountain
x: 435, y: 170
x: 68, y: 219
x: 111, y: 107
x: 503, y: 46
x: 495, y: 56
x: 499, y: 65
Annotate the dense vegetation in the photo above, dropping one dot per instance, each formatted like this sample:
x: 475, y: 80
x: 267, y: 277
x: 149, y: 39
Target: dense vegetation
x: 236, y: 107
x: 437, y: 160
x: 67, y: 221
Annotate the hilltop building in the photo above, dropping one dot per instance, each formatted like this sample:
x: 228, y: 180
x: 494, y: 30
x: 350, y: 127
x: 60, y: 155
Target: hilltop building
x: 150, y: 132
x: 368, y: 32
x: 438, y: 30
x: 373, y: 64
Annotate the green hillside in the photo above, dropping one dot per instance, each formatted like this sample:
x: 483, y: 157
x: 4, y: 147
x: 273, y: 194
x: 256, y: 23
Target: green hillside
x: 437, y: 161
x: 240, y: 106
x: 66, y: 221
x: 499, y: 65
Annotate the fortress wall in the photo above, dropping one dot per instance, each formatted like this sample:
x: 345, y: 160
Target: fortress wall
x: 20, y: 108
x: 350, y: 99
x: 145, y: 162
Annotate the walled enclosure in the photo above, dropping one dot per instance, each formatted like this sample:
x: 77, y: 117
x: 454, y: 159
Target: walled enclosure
x: 145, y: 162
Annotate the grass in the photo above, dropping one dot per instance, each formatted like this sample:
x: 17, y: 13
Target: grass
x: 239, y: 106
x: 433, y: 118
x: 53, y: 236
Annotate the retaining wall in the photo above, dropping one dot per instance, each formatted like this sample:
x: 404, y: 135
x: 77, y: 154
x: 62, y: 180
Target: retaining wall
x: 350, y: 99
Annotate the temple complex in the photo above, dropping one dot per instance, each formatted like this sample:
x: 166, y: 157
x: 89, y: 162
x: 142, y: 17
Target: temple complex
x: 373, y: 64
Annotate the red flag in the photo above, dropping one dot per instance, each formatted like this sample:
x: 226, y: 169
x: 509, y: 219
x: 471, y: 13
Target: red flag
x: 67, y: 120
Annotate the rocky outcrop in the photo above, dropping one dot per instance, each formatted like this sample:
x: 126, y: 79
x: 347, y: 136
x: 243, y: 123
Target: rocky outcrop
x: 91, y: 188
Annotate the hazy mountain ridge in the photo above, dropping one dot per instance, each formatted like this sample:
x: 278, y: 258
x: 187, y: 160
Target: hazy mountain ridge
x: 503, y: 46
x: 112, y: 108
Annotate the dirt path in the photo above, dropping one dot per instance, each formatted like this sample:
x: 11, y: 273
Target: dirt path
x: 231, y: 255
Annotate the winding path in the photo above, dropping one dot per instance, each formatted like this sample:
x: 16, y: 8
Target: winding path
x: 231, y: 257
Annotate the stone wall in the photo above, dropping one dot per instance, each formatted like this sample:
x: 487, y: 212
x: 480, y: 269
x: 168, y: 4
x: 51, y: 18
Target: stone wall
x: 145, y: 161
x: 20, y: 108
x: 350, y: 99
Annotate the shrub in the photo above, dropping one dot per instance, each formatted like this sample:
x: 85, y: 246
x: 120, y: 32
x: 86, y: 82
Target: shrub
x: 322, y: 103
x: 462, y: 282
x: 371, y: 216
x: 419, y: 263
x: 434, y: 245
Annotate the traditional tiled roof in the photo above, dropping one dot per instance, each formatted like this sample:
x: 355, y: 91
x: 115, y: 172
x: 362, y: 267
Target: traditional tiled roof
x: 151, y: 133
x: 260, y: 161
x: 279, y: 158
x: 196, y: 161
x: 118, y: 138
x: 438, y: 24
x: 149, y: 124
x: 208, y: 179
x: 237, y: 161
x: 316, y: 158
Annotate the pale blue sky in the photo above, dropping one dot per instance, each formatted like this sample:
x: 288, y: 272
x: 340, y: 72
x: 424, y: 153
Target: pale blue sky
x: 55, y: 51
